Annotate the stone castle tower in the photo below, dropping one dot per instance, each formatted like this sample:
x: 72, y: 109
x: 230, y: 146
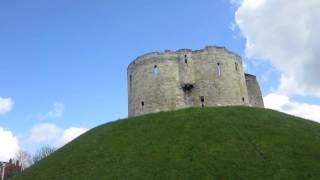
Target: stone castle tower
x: 214, y: 76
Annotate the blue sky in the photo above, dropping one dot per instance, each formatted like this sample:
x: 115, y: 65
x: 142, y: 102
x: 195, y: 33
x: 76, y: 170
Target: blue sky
x: 63, y: 63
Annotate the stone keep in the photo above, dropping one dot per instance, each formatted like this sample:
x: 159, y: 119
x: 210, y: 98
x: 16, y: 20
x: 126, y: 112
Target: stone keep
x: 165, y: 81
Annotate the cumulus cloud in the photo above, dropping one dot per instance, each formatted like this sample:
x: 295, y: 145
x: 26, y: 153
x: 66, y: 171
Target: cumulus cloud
x: 6, y: 104
x: 287, y: 33
x: 69, y: 134
x: 284, y: 104
x: 9, y: 144
x: 44, y: 132
x: 48, y: 133
x: 56, y: 112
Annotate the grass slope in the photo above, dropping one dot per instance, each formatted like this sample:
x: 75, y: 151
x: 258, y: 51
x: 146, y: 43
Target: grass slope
x: 209, y: 143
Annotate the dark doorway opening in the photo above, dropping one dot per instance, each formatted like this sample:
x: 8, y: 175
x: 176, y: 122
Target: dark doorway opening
x: 202, y: 101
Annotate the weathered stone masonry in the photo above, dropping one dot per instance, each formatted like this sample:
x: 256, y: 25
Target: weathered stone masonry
x: 214, y: 76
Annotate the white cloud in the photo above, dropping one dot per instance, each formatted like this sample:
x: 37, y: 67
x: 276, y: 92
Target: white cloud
x: 69, y: 134
x: 289, y: 85
x: 9, y: 145
x: 44, y: 132
x: 48, y: 133
x: 6, y: 104
x: 253, y: 4
x: 287, y: 32
x: 56, y: 112
x: 284, y: 104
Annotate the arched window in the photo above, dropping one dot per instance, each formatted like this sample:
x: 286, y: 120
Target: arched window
x: 155, y: 70
x: 219, y: 68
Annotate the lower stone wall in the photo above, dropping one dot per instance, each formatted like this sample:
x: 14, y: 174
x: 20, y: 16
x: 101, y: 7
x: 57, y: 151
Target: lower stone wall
x: 254, y: 92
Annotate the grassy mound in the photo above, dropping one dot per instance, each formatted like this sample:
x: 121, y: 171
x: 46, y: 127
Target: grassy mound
x: 210, y: 143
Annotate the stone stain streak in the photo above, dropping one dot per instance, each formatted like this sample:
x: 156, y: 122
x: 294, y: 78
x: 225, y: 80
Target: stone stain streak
x: 165, y: 81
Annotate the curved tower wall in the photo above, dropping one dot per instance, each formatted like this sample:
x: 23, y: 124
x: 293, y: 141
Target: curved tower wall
x: 254, y: 92
x: 172, y: 80
x: 158, y: 92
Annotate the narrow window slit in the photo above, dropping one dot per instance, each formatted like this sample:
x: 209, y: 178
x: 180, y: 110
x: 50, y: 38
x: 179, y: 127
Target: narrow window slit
x: 142, y: 105
x: 219, y: 69
x: 185, y: 59
x: 155, y: 70
x: 130, y: 81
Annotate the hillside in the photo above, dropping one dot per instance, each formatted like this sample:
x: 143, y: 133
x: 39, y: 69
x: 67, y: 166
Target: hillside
x: 209, y: 143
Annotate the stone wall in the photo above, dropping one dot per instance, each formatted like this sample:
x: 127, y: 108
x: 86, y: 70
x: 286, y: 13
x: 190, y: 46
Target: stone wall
x: 254, y: 92
x: 170, y: 80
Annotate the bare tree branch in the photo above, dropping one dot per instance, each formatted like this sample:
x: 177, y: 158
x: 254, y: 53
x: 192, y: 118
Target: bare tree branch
x: 43, y: 152
x: 24, y: 158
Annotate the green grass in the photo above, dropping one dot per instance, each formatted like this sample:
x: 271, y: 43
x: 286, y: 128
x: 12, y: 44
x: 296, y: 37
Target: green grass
x: 210, y: 143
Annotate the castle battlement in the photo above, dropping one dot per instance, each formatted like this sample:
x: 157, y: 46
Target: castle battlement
x: 170, y: 80
x: 207, y: 49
